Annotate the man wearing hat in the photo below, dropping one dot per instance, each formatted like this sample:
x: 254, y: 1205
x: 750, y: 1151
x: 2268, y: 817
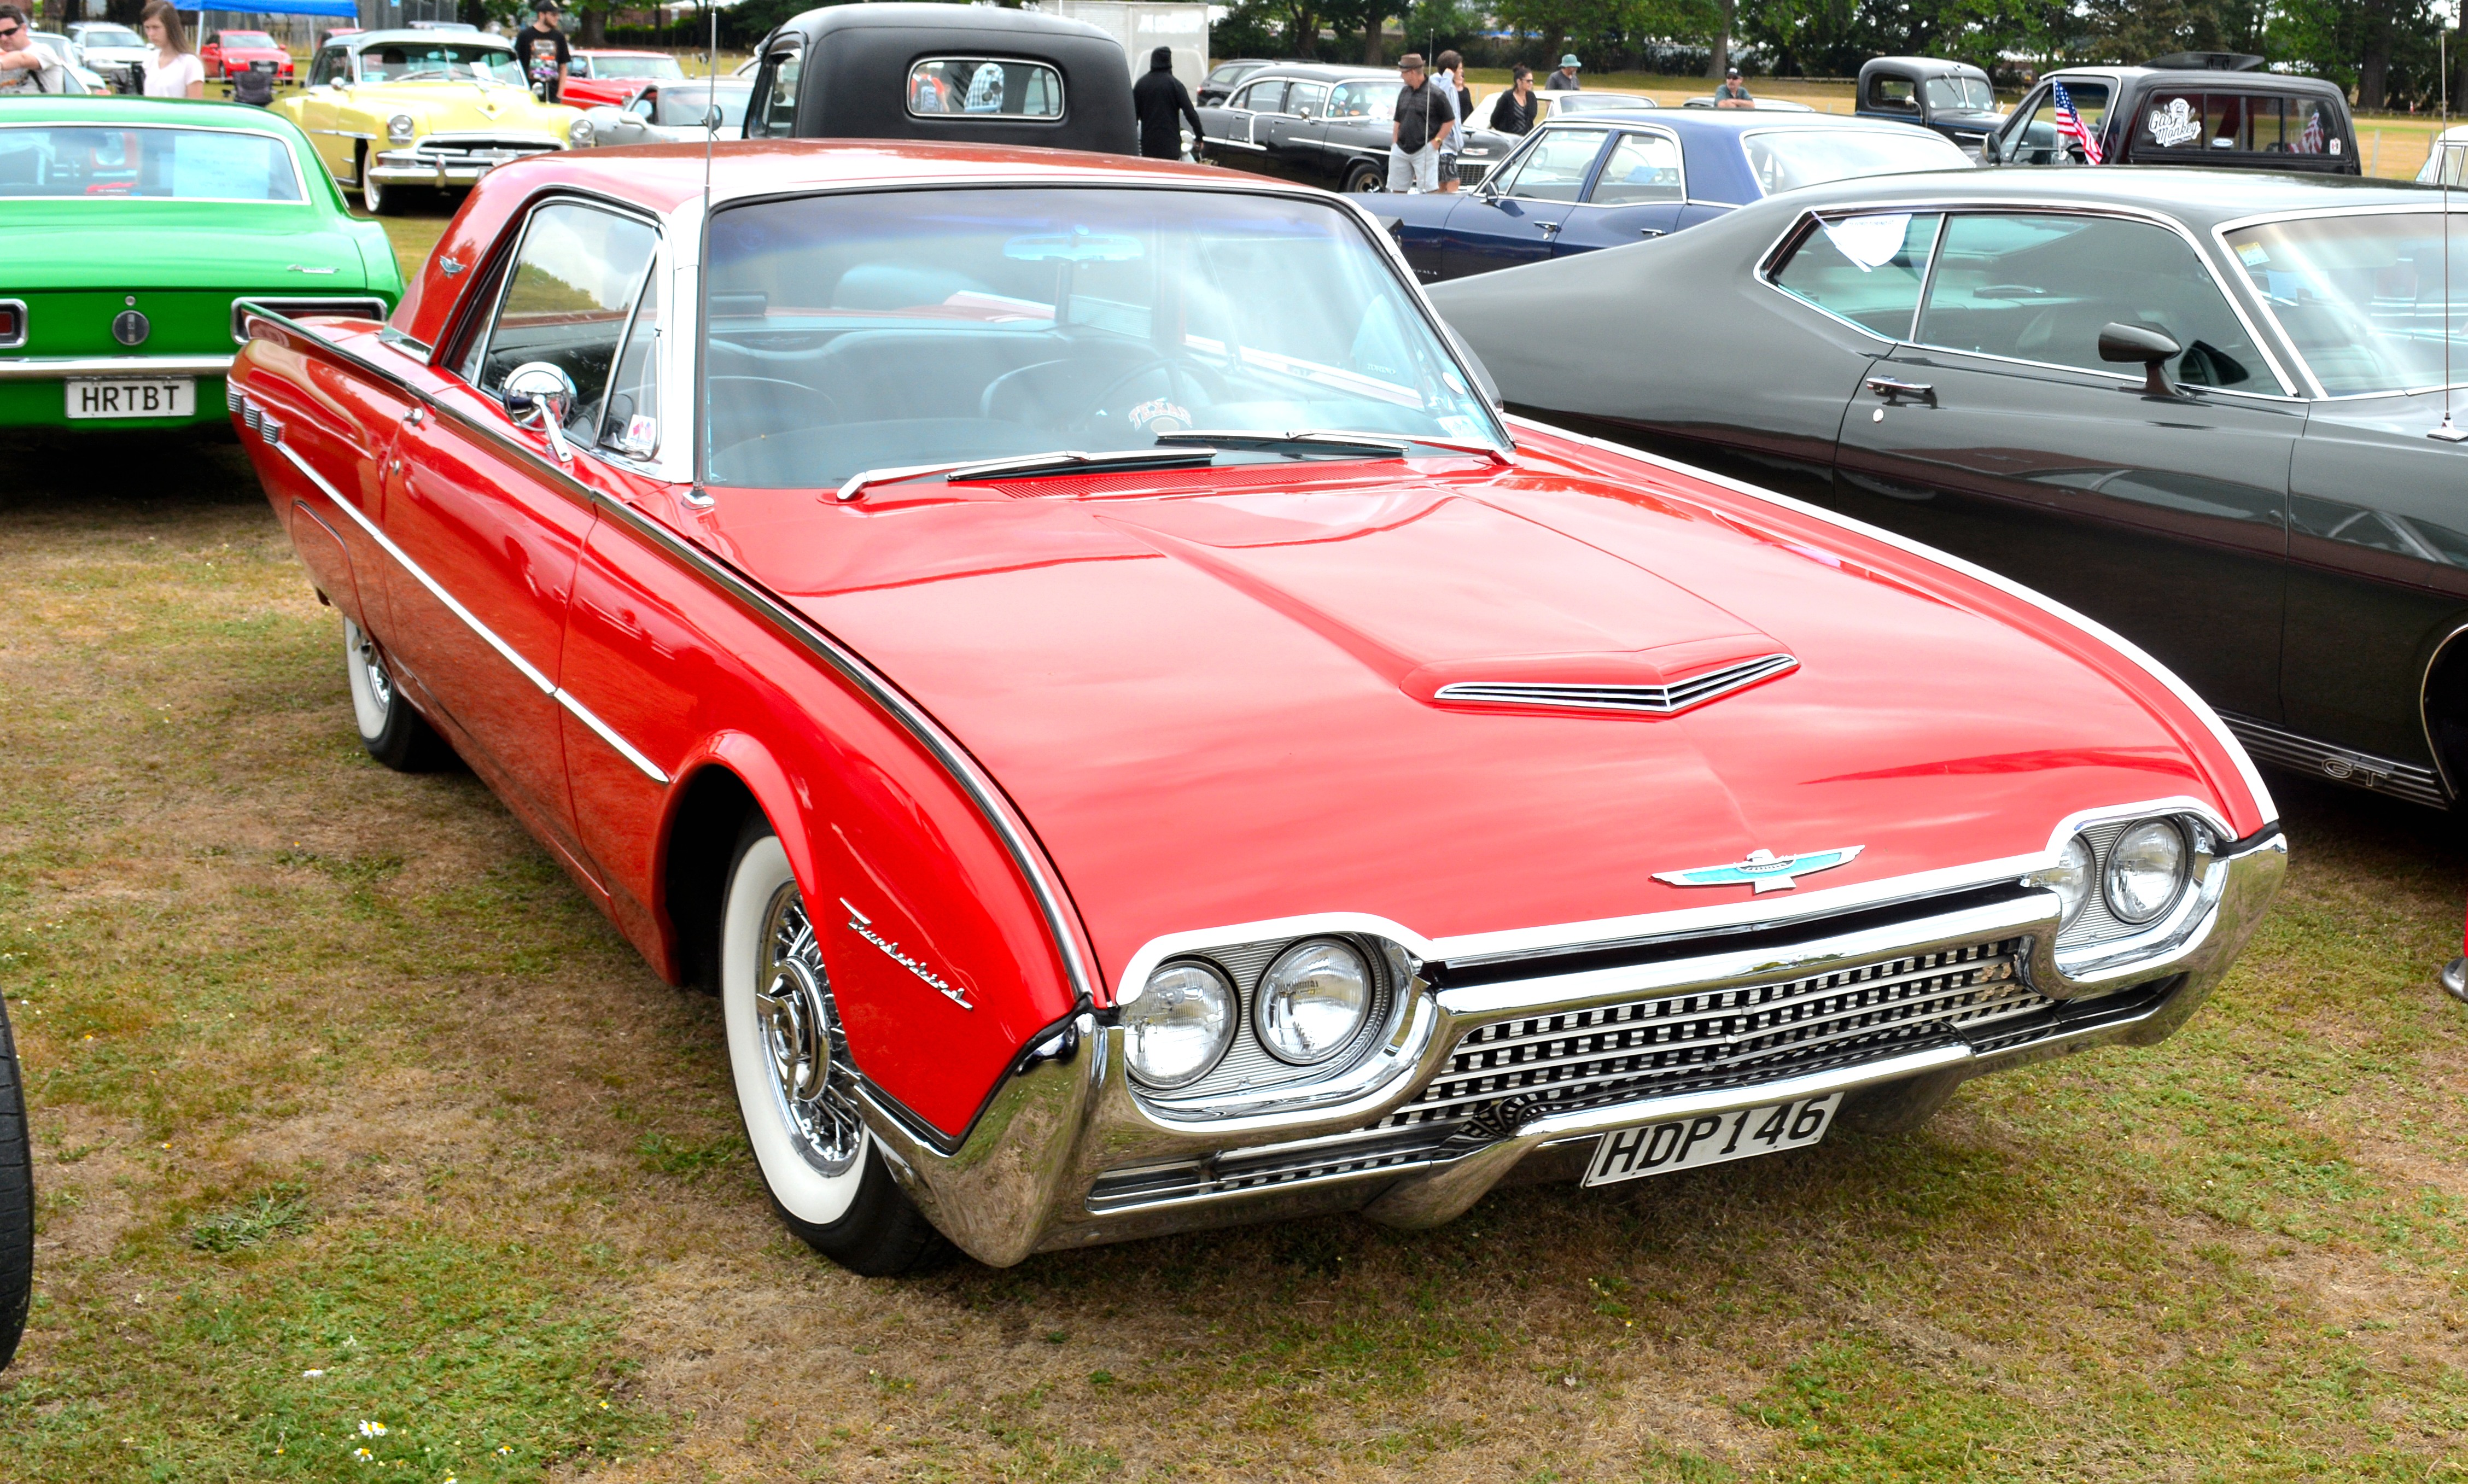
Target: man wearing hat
x: 541, y: 53
x: 1565, y: 80
x: 1422, y: 123
x: 1734, y: 93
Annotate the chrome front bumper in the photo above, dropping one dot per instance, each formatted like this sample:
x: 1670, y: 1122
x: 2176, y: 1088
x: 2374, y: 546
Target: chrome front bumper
x: 1067, y: 1118
x: 421, y: 167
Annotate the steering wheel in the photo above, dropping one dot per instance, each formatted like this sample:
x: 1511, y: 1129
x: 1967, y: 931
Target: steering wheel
x: 1185, y: 387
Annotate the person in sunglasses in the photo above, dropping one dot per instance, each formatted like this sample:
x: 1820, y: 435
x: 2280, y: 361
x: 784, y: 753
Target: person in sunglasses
x: 25, y: 67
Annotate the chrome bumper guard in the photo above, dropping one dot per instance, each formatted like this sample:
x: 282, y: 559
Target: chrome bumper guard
x: 1067, y: 1154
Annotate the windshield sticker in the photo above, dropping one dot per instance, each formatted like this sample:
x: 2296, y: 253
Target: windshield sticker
x: 2176, y: 124
x: 2254, y: 255
x: 1870, y: 241
x: 1160, y: 415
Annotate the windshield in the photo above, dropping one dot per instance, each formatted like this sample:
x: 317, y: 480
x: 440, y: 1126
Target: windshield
x: 1373, y: 99
x: 1970, y: 93
x: 256, y: 39
x: 2363, y: 298
x: 156, y: 164
x: 1787, y: 159
x: 848, y: 333
x: 110, y: 35
x: 398, y: 61
x: 684, y: 108
x: 636, y: 67
x: 1599, y: 102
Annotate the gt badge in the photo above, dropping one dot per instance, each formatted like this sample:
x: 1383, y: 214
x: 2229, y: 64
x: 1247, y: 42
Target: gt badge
x: 1764, y: 870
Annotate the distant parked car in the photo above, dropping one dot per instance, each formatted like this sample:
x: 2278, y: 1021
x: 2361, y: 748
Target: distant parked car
x: 1326, y: 126
x: 1954, y: 99
x: 1219, y: 83
x: 1558, y: 104
x: 225, y: 51
x: 2206, y: 108
x: 615, y: 77
x: 1756, y: 105
x: 2447, y: 162
x: 113, y: 50
x: 668, y: 113
x: 1588, y: 182
x: 72, y: 60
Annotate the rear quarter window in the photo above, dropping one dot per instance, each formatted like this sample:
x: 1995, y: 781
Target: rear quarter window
x: 1867, y: 268
x: 984, y: 87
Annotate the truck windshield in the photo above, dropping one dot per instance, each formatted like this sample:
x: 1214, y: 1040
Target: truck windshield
x: 1969, y: 94
x: 2364, y: 298
x: 848, y: 334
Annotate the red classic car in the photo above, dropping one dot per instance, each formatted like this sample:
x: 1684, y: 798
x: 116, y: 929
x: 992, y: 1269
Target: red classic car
x: 225, y: 50
x: 615, y: 77
x: 1068, y: 648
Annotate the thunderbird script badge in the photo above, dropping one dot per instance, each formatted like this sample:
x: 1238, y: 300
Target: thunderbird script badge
x: 1764, y: 870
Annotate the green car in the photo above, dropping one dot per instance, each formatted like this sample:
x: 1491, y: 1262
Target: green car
x: 129, y: 228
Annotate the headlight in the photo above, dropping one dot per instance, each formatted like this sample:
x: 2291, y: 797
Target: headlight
x: 399, y: 129
x: 579, y: 134
x: 1312, y: 1001
x: 1180, y: 1024
x: 2072, y: 881
x: 2147, y: 870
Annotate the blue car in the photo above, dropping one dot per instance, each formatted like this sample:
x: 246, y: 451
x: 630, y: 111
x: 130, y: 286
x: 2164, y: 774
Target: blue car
x: 1604, y: 180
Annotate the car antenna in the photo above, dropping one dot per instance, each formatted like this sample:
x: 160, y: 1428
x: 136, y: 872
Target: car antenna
x: 695, y: 495
x: 2442, y: 182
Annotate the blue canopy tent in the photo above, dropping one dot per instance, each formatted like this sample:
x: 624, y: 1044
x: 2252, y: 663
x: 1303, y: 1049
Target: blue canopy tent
x: 347, y: 10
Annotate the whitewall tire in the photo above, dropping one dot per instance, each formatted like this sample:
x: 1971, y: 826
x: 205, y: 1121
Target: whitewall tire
x: 393, y: 731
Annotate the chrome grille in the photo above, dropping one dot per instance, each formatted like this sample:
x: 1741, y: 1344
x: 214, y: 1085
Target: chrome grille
x: 1654, y: 700
x: 478, y: 148
x: 1725, y: 1038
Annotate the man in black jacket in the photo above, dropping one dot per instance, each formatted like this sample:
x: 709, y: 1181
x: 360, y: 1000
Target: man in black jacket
x: 541, y: 53
x: 1162, y: 103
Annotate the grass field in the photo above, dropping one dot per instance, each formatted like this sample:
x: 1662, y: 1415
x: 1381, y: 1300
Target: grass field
x: 367, y: 1150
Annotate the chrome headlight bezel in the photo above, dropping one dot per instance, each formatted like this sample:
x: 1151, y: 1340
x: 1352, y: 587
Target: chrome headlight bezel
x: 2076, y: 876
x: 1273, y: 1002
x: 579, y: 134
x: 401, y: 130
x: 1162, y: 994
x: 2116, y: 896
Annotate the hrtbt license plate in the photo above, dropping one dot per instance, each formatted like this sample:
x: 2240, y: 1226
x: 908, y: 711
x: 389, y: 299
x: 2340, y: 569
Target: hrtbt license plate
x: 1710, y: 1139
x: 160, y: 397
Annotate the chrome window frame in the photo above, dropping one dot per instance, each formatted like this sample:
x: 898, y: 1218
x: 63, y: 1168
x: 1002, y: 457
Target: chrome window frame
x: 299, y: 176
x: 2219, y: 235
x: 1533, y: 141
x: 1062, y: 97
x: 1603, y: 162
x: 1770, y: 260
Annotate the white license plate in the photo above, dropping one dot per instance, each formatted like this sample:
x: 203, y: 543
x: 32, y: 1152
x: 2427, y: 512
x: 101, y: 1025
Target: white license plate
x: 1710, y: 1139
x: 165, y: 397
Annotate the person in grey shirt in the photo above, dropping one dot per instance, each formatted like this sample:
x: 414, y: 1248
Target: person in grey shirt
x: 1734, y: 93
x: 25, y: 66
x: 1565, y: 80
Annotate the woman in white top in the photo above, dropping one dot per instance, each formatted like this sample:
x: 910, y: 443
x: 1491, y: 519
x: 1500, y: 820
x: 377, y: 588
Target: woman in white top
x: 177, y: 71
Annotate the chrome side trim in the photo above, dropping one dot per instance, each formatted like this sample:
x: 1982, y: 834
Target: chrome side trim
x: 2410, y: 780
x: 52, y: 368
x: 506, y: 651
x: 1062, y: 924
x: 2132, y: 651
x: 2424, y: 713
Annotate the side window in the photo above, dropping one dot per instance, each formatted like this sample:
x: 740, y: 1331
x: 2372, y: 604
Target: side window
x: 1642, y: 168
x: 574, y: 279
x: 1866, y: 269
x: 328, y: 67
x: 1308, y: 98
x: 2042, y: 140
x: 1358, y: 99
x: 632, y: 421
x: 1267, y: 96
x: 2041, y: 287
x: 774, y: 113
x: 1555, y: 169
x: 985, y: 87
x: 2311, y: 128
x: 1893, y: 94
x: 2172, y: 120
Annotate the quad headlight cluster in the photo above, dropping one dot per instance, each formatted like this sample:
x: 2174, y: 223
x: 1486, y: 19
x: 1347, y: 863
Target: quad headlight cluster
x: 2143, y: 871
x: 1311, y: 1004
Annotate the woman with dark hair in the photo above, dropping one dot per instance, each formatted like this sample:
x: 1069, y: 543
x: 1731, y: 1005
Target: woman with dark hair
x: 177, y: 71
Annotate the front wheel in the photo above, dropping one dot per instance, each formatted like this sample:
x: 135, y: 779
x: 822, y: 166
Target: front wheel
x: 1362, y: 176
x: 796, y: 1084
x: 16, y: 1200
x: 393, y: 732
x: 374, y: 196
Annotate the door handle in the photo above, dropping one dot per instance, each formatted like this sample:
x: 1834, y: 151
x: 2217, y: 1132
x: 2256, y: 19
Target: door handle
x: 1894, y: 391
x: 1649, y: 231
x: 1548, y: 228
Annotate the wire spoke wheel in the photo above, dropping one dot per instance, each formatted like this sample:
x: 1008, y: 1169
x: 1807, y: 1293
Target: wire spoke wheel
x: 811, y: 1076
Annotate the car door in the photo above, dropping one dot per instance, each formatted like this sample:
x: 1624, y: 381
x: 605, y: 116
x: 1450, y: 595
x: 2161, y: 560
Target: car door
x: 1239, y: 144
x: 772, y: 109
x: 1997, y: 432
x: 319, y: 103
x: 1298, y: 138
x: 1638, y: 192
x: 494, y: 537
x: 1515, y: 222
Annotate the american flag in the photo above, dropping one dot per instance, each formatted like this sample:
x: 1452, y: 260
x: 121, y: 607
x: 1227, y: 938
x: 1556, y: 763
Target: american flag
x: 2310, y: 141
x: 2069, y: 125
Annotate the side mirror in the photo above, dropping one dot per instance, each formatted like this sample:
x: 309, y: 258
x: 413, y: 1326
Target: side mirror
x: 2136, y: 343
x: 540, y: 395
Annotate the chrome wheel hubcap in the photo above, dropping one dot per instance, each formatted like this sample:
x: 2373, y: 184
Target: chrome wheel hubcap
x: 813, y: 1080
x: 380, y: 684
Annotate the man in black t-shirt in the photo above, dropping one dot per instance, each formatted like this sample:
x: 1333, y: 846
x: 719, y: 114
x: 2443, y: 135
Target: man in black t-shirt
x: 1422, y: 120
x: 541, y: 53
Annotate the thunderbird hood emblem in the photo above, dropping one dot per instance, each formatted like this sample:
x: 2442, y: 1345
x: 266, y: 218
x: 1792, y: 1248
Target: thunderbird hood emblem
x: 1764, y: 870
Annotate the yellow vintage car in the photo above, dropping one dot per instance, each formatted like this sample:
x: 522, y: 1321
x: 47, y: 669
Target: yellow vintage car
x: 391, y: 111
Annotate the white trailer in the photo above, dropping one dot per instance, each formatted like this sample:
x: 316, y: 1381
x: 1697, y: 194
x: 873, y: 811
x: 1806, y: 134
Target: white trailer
x: 1143, y: 26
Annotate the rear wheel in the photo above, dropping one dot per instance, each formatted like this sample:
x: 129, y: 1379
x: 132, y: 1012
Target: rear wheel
x: 1363, y: 176
x: 394, y: 733
x: 796, y: 1084
x: 16, y: 1200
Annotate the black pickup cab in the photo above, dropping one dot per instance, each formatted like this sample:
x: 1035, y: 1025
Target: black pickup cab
x: 2207, y: 108
x: 1954, y: 99
x: 956, y: 73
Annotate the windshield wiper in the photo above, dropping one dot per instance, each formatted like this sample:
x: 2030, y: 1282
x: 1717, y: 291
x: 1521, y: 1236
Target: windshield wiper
x: 1030, y: 465
x: 1381, y: 445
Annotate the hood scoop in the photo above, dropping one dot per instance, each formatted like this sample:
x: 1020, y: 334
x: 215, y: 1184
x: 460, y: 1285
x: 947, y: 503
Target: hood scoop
x: 1642, y: 699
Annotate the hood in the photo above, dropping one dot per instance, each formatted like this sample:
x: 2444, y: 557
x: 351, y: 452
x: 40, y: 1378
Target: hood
x: 118, y: 244
x: 462, y: 104
x: 1227, y: 706
x: 1969, y: 120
